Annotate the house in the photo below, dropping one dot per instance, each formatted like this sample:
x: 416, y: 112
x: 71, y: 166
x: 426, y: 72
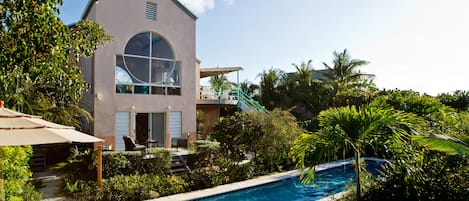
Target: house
x: 146, y: 82
x: 143, y: 83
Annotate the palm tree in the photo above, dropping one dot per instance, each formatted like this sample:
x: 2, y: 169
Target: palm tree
x: 220, y: 83
x: 249, y: 88
x: 349, y: 130
x: 269, y: 86
x: 345, y: 71
x: 304, y: 71
x: 444, y: 143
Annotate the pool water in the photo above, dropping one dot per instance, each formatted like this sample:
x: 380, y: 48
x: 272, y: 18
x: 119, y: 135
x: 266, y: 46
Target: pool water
x: 327, y: 182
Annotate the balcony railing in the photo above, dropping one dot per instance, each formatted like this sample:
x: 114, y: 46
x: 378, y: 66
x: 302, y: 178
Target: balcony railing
x: 209, y: 95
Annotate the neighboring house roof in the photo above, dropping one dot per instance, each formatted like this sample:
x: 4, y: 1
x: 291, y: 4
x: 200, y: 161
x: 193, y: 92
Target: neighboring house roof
x: 318, y: 74
x: 178, y: 4
x: 208, y: 72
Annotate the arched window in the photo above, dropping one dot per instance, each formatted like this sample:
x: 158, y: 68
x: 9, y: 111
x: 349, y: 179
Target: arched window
x: 149, y: 60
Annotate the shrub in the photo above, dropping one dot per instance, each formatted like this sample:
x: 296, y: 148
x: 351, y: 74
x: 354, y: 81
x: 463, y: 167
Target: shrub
x: 435, y: 177
x: 15, y: 173
x: 82, y: 165
x: 268, y: 136
x: 133, y: 188
x: 131, y: 162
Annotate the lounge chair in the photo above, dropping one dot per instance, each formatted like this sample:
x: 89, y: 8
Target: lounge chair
x: 130, y: 144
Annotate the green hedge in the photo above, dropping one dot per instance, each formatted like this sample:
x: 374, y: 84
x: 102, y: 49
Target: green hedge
x: 81, y: 165
x: 132, y: 162
x: 133, y: 188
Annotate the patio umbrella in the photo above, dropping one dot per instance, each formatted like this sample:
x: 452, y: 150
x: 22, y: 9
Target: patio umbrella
x: 23, y: 129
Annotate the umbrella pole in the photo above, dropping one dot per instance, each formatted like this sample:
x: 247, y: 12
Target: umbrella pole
x: 100, y: 166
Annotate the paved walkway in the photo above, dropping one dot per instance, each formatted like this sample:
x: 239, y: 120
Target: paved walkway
x: 51, y: 186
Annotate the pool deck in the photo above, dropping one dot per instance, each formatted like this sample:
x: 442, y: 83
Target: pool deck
x: 247, y: 183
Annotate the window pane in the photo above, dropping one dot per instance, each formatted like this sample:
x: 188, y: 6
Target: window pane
x: 141, y: 89
x: 139, y: 45
x: 161, y: 72
x: 122, y: 76
x: 157, y: 90
x: 138, y: 68
x: 160, y: 47
x: 174, y: 91
x: 123, y: 89
x: 175, y: 75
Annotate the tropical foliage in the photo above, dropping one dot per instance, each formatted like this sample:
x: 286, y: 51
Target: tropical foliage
x: 353, y: 130
x: 268, y: 137
x: 14, y: 174
x: 458, y: 100
x: 39, y: 54
x: 220, y: 83
x: 307, y: 91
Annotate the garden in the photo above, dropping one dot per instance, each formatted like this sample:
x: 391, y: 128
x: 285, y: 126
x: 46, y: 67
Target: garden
x: 310, y: 121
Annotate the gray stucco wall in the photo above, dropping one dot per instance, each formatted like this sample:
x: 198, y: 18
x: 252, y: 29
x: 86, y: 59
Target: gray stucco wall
x: 122, y: 19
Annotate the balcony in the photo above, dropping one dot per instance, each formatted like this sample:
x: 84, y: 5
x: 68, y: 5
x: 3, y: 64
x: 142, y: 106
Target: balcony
x: 209, y: 96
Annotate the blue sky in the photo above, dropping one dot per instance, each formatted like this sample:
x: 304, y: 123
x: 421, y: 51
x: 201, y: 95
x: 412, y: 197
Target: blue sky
x: 419, y: 44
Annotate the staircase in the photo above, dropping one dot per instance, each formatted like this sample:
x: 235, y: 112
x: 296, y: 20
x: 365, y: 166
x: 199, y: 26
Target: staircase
x: 178, y: 164
x: 247, y: 104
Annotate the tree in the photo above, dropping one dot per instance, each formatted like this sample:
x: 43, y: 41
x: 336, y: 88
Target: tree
x: 271, y: 95
x: 349, y: 85
x: 268, y: 136
x: 458, y: 100
x: 39, y: 56
x: 304, y: 71
x: 352, y: 129
x: 249, y: 88
x: 345, y: 71
x: 220, y: 83
x: 307, y: 96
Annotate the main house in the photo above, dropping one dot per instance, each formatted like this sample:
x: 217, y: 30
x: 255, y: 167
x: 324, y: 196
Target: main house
x: 143, y: 83
x: 146, y: 82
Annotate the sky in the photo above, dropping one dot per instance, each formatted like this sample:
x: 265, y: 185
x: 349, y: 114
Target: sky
x: 421, y: 45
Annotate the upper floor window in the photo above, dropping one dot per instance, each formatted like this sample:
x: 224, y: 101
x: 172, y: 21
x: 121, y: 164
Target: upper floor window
x: 148, y: 66
x: 150, y: 11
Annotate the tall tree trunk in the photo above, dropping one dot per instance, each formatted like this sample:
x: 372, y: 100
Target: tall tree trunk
x: 357, y: 174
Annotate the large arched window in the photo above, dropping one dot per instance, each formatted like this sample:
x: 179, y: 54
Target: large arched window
x: 150, y: 63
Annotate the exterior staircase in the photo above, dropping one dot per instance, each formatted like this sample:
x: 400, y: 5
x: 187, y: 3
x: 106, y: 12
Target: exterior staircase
x: 178, y: 164
x: 248, y: 104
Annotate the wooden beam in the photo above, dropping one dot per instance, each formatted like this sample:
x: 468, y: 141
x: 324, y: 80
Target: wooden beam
x: 100, y: 166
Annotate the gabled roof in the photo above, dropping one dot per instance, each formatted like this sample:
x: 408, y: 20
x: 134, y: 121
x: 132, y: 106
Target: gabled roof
x: 178, y: 4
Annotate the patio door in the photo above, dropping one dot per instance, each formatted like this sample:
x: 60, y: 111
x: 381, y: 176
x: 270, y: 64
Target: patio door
x: 150, y: 126
x: 158, y: 125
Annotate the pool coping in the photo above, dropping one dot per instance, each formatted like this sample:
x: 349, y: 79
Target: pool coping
x: 236, y: 186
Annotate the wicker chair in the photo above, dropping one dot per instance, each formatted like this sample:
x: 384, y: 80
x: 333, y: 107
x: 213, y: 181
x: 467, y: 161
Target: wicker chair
x: 130, y: 144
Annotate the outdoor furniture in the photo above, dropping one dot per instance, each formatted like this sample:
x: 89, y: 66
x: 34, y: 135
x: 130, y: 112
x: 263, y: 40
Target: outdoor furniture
x: 178, y: 142
x: 130, y: 144
x: 152, y: 143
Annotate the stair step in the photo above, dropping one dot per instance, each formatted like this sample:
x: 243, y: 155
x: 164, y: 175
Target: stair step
x: 179, y: 170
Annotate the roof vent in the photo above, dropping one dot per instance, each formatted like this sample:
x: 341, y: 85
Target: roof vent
x: 151, y: 11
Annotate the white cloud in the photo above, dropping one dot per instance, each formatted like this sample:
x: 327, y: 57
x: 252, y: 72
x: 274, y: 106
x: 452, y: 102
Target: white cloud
x: 200, y: 6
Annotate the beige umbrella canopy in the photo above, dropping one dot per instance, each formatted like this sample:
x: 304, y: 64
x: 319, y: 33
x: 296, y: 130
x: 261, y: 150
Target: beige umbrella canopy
x: 22, y: 129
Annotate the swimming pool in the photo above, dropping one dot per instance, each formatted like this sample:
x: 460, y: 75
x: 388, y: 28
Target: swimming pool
x: 329, y: 181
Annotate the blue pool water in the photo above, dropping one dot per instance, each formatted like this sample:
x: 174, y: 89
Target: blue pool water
x: 328, y: 182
